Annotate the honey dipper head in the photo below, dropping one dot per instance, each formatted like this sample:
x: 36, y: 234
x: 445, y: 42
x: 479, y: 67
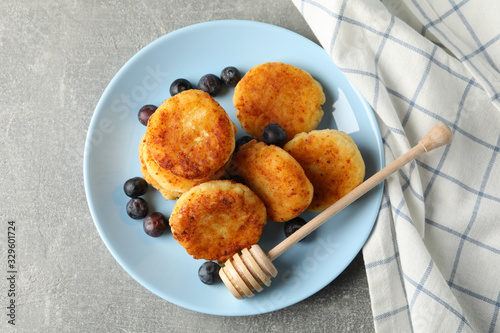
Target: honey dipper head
x: 247, y: 272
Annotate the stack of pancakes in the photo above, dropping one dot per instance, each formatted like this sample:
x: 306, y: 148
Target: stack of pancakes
x: 189, y: 140
x: 189, y: 144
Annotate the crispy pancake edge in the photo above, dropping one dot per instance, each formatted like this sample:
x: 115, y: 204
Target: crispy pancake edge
x: 167, y: 195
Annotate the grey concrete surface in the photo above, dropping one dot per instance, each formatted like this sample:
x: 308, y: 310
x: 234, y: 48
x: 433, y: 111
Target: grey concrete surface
x: 57, y: 57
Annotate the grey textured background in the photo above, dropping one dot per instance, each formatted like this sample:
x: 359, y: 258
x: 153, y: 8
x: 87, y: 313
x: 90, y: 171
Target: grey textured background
x: 57, y: 58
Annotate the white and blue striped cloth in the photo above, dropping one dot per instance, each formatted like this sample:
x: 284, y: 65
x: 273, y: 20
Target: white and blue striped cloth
x: 433, y: 259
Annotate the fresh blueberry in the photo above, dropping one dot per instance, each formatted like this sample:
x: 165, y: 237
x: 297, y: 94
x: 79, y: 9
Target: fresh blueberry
x: 179, y: 85
x: 293, y: 225
x: 230, y: 76
x: 155, y: 224
x: 137, y: 208
x: 209, y: 272
x: 211, y: 84
x: 237, y: 179
x: 145, y: 112
x: 135, y: 187
x: 274, y: 134
x: 241, y: 141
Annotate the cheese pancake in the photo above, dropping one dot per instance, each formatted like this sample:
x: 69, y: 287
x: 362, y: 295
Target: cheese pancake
x: 276, y: 177
x: 190, y: 135
x: 331, y: 161
x: 279, y: 93
x: 216, y: 219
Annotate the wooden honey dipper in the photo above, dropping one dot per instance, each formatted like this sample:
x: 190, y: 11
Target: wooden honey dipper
x: 247, y: 272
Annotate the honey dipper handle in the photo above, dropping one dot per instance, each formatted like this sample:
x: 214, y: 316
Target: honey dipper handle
x: 438, y: 136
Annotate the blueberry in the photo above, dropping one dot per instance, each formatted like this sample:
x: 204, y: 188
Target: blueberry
x: 237, y: 179
x: 209, y: 272
x: 211, y: 84
x: 241, y: 141
x: 230, y: 76
x: 274, y: 134
x: 135, y: 187
x: 179, y: 85
x: 155, y: 224
x: 137, y: 208
x: 145, y: 112
x: 293, y: 225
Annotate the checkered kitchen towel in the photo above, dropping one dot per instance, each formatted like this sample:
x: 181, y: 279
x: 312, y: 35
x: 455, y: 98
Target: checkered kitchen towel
x: 433, y: 259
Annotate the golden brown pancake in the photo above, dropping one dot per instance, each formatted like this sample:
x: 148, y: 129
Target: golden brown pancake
x: 216, y: 219
x: 190, y: 135
x: 331, y: 161
x: 279, y: 93
x: 276, y: 177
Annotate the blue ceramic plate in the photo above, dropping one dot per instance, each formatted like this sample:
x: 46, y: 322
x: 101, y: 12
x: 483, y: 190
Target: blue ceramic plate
x: 161, y: 264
